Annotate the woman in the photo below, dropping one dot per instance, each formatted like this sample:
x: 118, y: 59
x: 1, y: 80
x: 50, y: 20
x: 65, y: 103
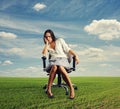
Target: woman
x: 58, y: 51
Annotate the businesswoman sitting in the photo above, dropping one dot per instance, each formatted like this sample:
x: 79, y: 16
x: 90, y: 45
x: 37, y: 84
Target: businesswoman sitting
x: 58, y: 50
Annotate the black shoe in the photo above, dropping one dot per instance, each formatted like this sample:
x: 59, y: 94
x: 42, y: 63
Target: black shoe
x: 71, y: 98
x: 49, y: 96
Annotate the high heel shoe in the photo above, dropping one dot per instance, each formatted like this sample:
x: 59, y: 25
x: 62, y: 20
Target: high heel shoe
x: 71, y: 98
x: 49, y: 95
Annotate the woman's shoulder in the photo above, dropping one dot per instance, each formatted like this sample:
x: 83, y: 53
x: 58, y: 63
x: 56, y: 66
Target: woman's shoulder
x: 60, y: 39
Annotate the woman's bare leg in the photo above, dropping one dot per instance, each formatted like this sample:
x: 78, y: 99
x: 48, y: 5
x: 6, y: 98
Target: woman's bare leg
x: 67, y: 80
x: 51, y: 79
x: 64, y: 78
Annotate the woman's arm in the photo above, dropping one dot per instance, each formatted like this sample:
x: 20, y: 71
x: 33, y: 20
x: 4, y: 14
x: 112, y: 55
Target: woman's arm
x: 68, y: 50
x: 75, y: 55
x: 45, y: 49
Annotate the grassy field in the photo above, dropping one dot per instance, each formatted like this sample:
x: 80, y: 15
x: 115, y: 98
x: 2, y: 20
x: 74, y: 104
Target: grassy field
x: 28, y: 93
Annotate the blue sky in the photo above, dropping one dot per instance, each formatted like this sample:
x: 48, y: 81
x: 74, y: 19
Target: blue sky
x: 90, y: 27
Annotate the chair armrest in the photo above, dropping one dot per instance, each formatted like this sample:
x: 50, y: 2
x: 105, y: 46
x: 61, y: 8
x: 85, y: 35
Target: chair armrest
x: 74, y: 65
x: 44, y: 62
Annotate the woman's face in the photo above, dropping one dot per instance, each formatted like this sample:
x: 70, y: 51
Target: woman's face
x: 48, y: 37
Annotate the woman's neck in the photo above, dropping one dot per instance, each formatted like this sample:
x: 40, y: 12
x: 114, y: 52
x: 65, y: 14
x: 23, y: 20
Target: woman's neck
x: 52, y: 45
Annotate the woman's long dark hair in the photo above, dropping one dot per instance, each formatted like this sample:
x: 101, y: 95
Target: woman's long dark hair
x: 51, y: 33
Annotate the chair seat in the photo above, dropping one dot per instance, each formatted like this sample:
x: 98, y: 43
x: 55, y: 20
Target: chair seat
x: 68, y: 70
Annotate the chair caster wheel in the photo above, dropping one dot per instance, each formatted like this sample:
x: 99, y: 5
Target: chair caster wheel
x: 76, y: 88
x: 45, y: 87
x: 67, y: 93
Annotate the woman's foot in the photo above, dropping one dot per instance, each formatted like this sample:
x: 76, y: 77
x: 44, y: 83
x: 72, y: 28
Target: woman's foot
x: 72, y: 94
x: 50, y: 95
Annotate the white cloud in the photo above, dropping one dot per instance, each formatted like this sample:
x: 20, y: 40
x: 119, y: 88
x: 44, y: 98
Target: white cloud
x: 73, y: 45
x: 105, y: 65
x: 36, y: 26
x: 104, y: 29
x: 18, y: 51
x: 39, y: 6
x: 7, y: 35
x: 109, y: 53
x: 13, y: 51
x: 31, y: 71
x: 112, y: 53
x: 7, y: 62
x: 94, y: 54
x: 12, y: 23
x: 27, y: 48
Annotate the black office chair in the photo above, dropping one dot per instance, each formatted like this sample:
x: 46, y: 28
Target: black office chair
x: 59, y: 80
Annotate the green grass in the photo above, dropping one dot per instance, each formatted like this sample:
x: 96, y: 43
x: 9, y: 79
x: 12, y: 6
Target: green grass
x: 28, y: 93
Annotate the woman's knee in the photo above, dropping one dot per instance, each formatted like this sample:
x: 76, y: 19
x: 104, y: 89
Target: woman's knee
x: 61, y: 68
x: 54, y: 68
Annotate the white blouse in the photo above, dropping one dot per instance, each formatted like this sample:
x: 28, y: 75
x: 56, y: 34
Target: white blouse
x: 61, y: 49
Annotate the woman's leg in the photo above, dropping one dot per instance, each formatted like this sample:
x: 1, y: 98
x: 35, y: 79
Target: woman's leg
x: 64, y: 78
x: 67, y: 80
x: 51, y: 79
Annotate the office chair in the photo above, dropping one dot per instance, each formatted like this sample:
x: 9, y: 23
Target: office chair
x: 59, y: 79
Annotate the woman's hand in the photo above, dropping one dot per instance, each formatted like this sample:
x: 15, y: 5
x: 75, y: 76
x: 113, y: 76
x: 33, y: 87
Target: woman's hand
x: 46, y: 41
x: 75, y: 55
x: 77, y: 60
x: 45, y: 49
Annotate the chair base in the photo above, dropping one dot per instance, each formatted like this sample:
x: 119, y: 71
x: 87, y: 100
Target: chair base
x: 63, y: 85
